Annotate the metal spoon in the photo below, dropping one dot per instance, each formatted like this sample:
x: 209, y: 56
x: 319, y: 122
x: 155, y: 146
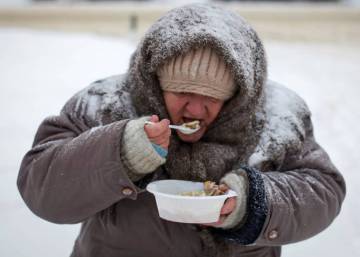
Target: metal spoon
x: 183, y: 129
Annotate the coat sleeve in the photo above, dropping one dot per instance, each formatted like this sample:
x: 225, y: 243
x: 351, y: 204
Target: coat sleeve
x: 292, y: 204
x: 74, y: 170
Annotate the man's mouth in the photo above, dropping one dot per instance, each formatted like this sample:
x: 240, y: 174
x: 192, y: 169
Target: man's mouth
x: 187, y: 120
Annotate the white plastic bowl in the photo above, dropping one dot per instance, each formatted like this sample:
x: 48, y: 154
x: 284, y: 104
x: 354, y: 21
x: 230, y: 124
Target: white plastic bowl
x: 186, y: 209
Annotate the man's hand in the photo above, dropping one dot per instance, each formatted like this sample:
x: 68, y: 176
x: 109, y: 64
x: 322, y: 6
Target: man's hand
x: 159, y: 132
x: 227, y: 208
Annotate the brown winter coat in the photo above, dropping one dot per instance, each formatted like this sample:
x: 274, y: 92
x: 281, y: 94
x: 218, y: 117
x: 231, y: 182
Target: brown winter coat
x: 75, y: 172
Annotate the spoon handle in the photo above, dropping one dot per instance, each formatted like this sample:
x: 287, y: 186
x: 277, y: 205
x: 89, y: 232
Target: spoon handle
x: 176, y: 127
x: 183, y: 129
x: 172, y: 126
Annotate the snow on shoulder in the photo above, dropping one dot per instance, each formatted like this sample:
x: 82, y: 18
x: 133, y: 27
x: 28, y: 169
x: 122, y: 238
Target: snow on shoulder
x: 284, y: 129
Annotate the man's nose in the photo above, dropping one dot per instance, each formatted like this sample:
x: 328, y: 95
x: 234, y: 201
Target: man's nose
x: 195, y: 108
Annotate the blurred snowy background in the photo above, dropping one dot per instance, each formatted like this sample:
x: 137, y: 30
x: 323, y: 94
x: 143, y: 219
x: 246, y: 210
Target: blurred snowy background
x: 41, y: 69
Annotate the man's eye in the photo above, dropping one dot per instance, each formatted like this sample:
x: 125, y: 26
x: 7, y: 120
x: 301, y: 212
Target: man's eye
x: 182, y: 94
x: 213, y: 100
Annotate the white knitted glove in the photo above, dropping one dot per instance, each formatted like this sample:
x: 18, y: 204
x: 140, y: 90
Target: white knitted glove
x: 137, y: 150
x: 238, y: 183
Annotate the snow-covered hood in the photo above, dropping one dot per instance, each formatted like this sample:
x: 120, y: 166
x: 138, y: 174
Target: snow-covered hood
x: 259, y: 125
x: 233, y: 136
x: 191, y: 26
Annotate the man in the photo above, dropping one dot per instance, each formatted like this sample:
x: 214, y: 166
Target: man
x: 91, y: 163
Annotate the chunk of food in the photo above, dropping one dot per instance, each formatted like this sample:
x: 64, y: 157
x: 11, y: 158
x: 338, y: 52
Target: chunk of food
x: 192, y: 125
x: 210, y: 189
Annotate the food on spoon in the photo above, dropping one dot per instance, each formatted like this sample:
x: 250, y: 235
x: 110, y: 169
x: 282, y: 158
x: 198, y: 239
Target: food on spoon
x: 210, y: 189
x: 192, y: 124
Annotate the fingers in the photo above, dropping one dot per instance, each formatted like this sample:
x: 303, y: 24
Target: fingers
x: 162, y: 140
x: 159, y: 132
x: 228, y: 206
x: 154, y: 118
x: 158, y: 128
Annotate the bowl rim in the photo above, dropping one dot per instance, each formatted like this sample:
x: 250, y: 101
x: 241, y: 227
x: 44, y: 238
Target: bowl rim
x: 230, y: 193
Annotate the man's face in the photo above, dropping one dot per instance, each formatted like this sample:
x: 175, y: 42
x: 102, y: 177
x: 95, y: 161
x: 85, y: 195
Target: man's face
x: 186, y: 107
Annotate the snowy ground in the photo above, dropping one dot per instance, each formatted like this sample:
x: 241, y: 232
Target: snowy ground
x: 39, y: 71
